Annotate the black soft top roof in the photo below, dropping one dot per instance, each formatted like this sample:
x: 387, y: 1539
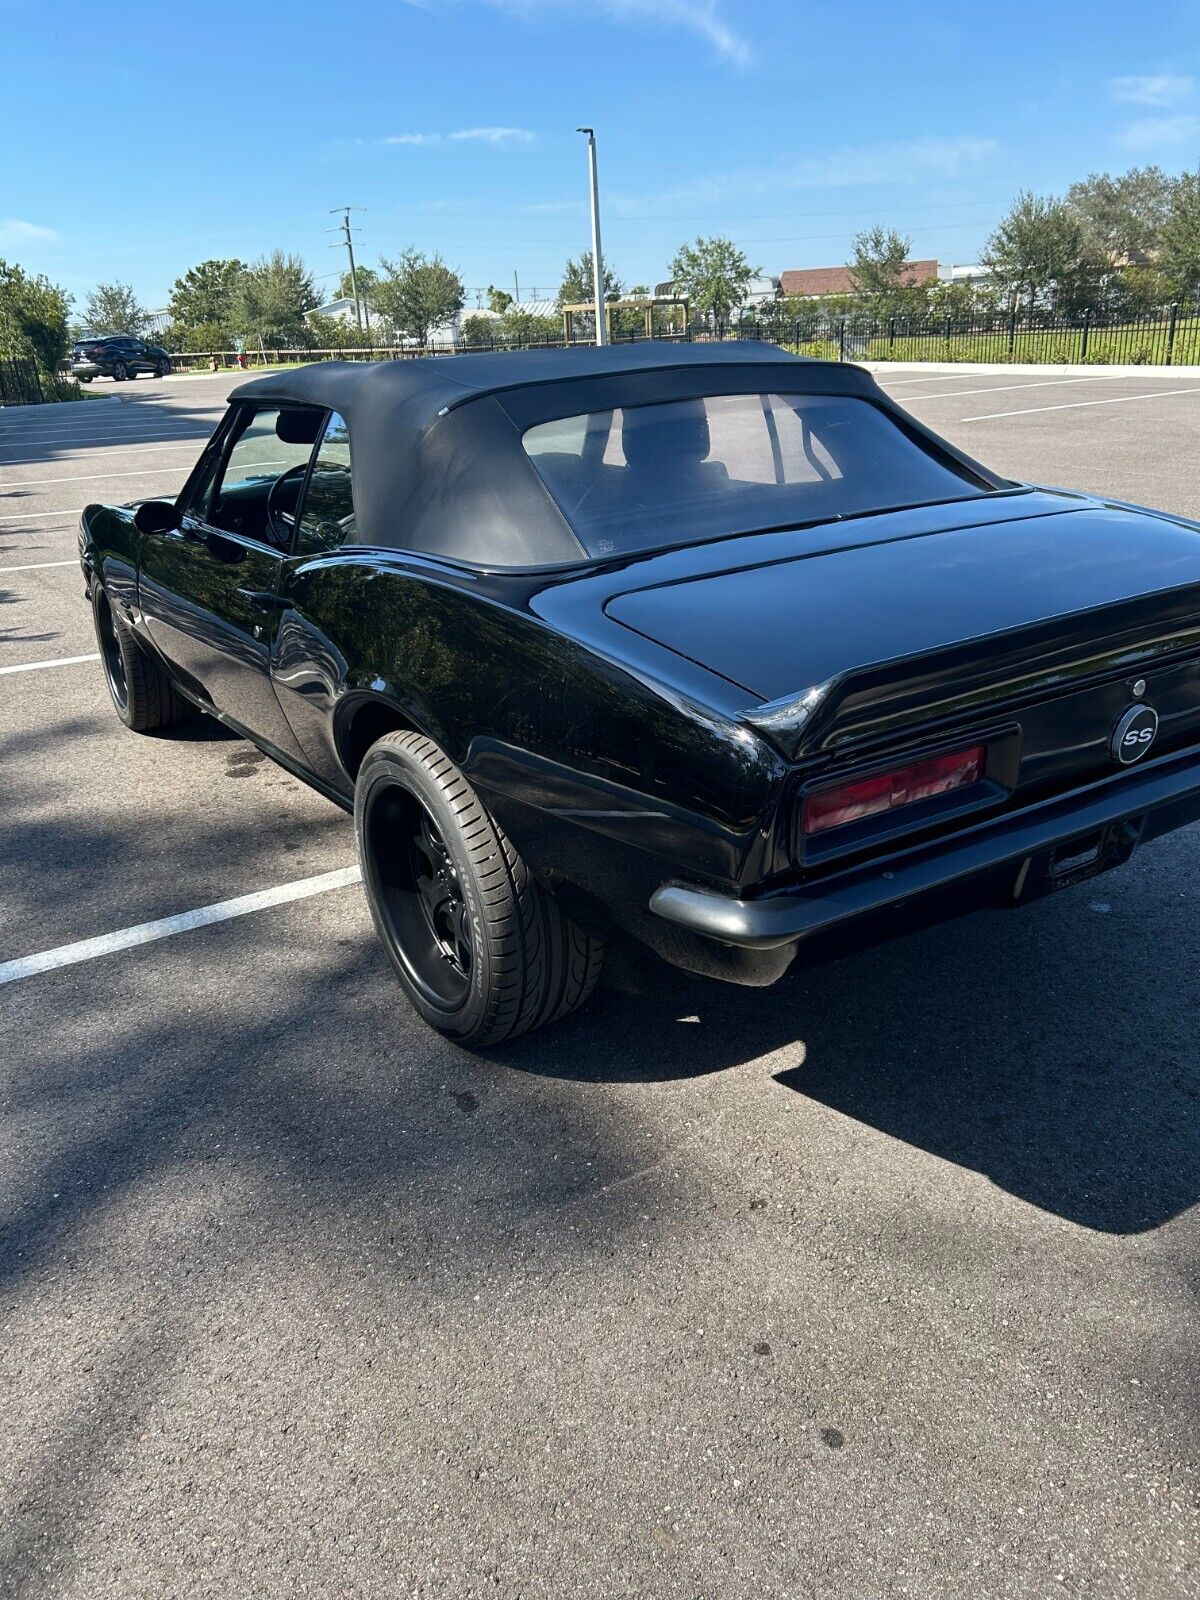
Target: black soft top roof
x: 437, y: 462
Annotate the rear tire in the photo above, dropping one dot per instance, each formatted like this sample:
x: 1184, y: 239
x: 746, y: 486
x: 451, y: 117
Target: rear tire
x: 120, y: 372
x: 142, y: 694
x: 85, y: 380
x: 482, y: 949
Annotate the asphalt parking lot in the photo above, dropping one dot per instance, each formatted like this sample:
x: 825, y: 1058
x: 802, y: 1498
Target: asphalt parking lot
x: 880, y: 1282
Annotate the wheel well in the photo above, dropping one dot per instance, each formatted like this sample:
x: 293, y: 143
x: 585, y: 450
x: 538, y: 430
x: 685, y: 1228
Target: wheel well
x: 369, y: 722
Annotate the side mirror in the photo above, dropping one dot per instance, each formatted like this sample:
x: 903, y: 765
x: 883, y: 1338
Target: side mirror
x: 157, y: 516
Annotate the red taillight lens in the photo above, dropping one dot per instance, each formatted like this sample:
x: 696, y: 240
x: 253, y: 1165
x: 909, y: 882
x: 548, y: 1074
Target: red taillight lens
x: 869, y: 797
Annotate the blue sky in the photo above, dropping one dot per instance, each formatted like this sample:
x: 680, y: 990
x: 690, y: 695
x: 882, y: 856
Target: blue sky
x: 142, y: 137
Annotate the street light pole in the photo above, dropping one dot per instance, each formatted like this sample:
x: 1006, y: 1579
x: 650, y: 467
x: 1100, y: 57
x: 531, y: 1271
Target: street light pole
x: 597, y: 258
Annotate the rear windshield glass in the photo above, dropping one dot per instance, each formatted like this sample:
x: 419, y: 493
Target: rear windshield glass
x: 645, y: 476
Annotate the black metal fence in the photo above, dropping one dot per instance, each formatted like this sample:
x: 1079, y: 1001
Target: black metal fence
x: 1165, y: 336
x: 20, y: 384
x: 1162, y: 336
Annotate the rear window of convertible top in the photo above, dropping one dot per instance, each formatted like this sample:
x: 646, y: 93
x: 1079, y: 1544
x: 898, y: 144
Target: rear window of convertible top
x: 686, y: 471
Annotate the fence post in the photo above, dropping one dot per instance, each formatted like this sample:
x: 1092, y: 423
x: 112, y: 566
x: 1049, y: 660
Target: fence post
x: 1171, y: 333
x: 1012, y: 332
x: 1087, y: 326
x: 842, y: 340
x: 891, y: 332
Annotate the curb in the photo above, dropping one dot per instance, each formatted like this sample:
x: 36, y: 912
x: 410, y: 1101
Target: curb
x: 48, y: 406
x: 1023, y: 369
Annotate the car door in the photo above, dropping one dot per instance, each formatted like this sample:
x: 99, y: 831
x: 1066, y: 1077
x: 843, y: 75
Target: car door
x: 307, y: 667
x: 209, y: 590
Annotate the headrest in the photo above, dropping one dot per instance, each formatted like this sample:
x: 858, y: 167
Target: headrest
x: 659, y: 436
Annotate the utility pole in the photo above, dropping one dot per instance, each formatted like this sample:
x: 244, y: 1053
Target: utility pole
x: 516, y: 288
x: 597, y: 259
x: 344, y: 229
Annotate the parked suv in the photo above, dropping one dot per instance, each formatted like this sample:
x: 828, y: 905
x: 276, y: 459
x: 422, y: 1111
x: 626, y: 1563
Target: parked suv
x: 117, y: 357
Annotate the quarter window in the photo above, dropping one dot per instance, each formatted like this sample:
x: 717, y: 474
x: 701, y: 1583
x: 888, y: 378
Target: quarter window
x: 327, y: 518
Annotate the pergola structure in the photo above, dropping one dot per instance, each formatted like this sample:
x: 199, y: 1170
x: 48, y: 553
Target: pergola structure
x: 646, y: 304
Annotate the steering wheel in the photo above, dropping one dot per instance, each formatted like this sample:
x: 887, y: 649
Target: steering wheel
x: 275, y: 513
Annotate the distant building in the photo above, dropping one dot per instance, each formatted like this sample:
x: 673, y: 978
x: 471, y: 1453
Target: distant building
x: 815, y: 282
x: 759, y: 292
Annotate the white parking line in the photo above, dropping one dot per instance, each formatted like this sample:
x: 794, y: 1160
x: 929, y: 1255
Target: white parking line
x: 36, y: 666
x: 102, y: 446
x: 67, y: 955
x: 91, y: 477
x: 1003, y: 388
x: 39, y: 566
x: 41, y: 516
x: 1075, y: 405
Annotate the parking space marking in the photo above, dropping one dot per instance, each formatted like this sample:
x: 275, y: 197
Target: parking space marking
x: 1004, y: 388
x: 103, y: 446
x: 94, y: 477
x: 39, y: 566
x: 1075, y: 405
x: 67, y: 955
x: 39, y: 516
x: 36, y: 666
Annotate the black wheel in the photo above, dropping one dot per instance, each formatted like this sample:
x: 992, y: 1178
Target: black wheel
x: 120, y: 372
x: 142, y: 694
x: 482, y: 949
x: 162, y: 369
x: 85, y: 380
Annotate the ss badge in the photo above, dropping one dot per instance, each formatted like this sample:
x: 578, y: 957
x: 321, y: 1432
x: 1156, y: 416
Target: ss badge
x: 1134, y: 734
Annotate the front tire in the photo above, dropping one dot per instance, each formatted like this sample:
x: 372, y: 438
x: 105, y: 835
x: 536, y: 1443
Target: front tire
x: 142, y: 694
x: 482, y: 949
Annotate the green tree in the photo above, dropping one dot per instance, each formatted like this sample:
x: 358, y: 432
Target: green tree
x: 207, y: 295
x: 367, y: 279
x: 577, y: 286
x: 713, y: 273
x: 478, y: 330
x: 1179, y: 238
x: 114, y: 308
x: 33, y: 318
x: 1124, y: 215
x: 526, y: 327
x: 1042, y: 245
x: 499, y: 300
x: 880, y: 257
x: 273, y: 293
x: 417, y: 293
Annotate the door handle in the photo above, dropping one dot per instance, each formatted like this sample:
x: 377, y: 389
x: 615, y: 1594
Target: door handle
x: 265, y: 600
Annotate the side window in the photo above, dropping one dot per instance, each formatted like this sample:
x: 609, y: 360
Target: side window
x: 252, y: 486
x: 327, y: 516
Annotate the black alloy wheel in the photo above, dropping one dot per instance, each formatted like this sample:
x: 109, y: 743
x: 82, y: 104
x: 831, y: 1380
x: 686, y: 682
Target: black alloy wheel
x: 110, y: 655
x: 143, y: 695
x: 482, y: 948
x: 120, y: 372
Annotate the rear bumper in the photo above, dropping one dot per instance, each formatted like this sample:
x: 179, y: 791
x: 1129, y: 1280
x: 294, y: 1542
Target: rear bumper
x: 1010, y: 859
x: 86, y: 369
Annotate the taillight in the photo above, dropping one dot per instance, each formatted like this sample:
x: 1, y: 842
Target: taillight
x: 886, y: 791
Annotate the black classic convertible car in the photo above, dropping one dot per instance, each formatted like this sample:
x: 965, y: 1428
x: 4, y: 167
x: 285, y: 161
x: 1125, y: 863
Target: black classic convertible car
x: 706, y: 643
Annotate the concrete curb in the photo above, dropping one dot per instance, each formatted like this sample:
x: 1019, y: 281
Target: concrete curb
x: 1025, y: 369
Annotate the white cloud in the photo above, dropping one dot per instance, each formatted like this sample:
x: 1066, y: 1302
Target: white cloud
x: 1152, y: 133
x: 700, y: 17
x: 1152, y: 89
x: 495, y: 136
x: 904, y: 161
x: 15, y: 231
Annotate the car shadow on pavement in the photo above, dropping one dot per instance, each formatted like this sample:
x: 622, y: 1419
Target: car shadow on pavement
x: 1050, y: 1049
